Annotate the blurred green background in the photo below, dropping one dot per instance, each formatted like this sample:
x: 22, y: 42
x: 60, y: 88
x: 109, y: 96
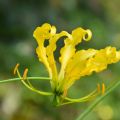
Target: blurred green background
x: 18, y: 19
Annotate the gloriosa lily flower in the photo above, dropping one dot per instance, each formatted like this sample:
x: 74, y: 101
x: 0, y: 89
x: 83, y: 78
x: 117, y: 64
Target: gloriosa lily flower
x: 74, y: 64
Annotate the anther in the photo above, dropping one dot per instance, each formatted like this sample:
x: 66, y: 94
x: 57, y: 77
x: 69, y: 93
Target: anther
x: 98, y: 88
x: 25, y: 73
x: 103, y: 88
x: 16, y: 68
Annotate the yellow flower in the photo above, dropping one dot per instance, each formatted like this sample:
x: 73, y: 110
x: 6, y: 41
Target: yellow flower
x: 74, y: 64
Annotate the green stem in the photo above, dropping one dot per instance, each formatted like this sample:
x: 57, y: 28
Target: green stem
x: 30, y: 78
x: 97, y: 101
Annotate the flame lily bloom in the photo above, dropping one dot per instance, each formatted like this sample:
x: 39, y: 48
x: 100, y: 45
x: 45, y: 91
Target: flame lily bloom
x: 74, y: 64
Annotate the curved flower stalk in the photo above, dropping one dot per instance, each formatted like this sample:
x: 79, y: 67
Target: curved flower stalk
x: 74, y: 64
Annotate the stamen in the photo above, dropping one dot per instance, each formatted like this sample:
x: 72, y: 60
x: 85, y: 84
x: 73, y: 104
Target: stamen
x: 103, y: 88
x: 88, y: 97
x: 29, y: 86
x: 98, y: 88
x: 25, y: 73
x: 16, y: 68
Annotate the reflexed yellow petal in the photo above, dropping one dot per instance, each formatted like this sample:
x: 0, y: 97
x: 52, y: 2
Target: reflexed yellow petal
x: 50, y: 53
x: 69, y: 49
x: 84, y: 62
x: 102, y: 58
x: 41, y: 34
